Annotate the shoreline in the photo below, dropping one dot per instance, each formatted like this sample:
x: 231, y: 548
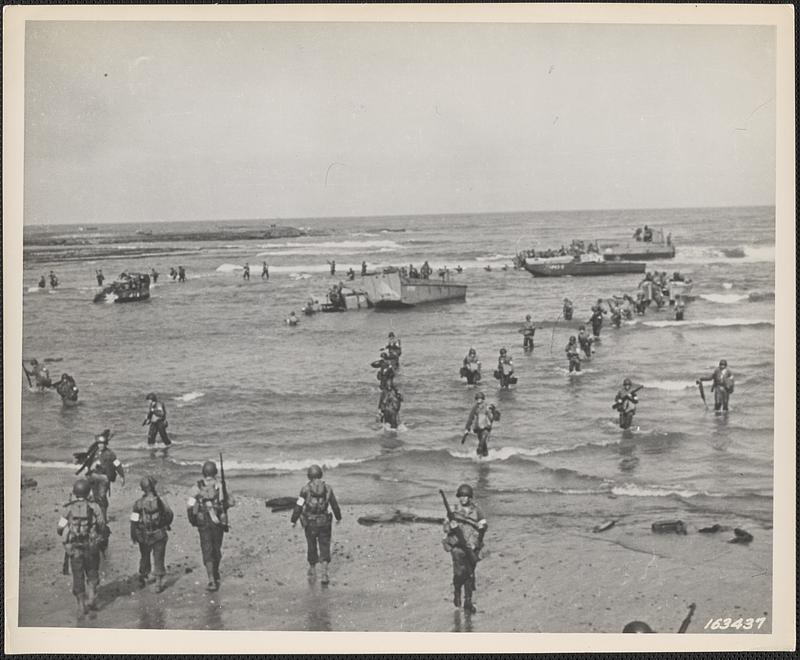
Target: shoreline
x: 536, y: 576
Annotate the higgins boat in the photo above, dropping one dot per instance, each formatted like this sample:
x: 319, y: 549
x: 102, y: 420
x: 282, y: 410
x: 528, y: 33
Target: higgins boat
x: 584, y: 264
x: 130, y: 287
x: 391, y: 289
x: 657, y: 247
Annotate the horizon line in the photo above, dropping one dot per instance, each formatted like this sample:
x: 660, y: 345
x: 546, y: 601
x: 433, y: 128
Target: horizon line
x: 398, y: 215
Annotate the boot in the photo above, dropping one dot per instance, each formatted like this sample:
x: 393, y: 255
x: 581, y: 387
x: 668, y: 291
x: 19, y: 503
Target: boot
x: 142, y: 580
x: 468, y: 606
x: 82, y: 608
x: 91, y: 596
x: 312, y: 571
x: 212, y: 583
x: 324, y: 579
x: 457, y: 595
x: 159, y: 584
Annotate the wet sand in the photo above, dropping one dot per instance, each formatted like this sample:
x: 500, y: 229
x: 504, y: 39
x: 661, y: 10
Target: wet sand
x: 535, y: 577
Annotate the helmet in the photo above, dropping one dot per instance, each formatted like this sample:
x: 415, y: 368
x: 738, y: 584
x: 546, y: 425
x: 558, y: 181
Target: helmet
x: 527, y: 317
x: 480, y: 396
x: 583, y: 327
x: 64, y: 376
x: 384, y: 355
x: 81, y: 488
x: 34, y: 361
x: 637, y: 627
x: 104, y: 437
x: 391, y: 334
x: 627, y: 382
x: 723, y: 363
x: 472, y: 351
x: 151, y: 396
x: 148, y: 483
x: 464, y: 490
x: 209, y: 469
x: 314, y: 472
x: 503, y: 351
x: 573, y: 339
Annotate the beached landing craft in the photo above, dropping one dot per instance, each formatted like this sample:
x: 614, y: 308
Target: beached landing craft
x: 391, y: 289
x: 584, y: 264
x: 130, y: 287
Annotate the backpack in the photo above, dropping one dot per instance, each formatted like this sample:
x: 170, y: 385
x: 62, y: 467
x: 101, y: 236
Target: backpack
x: 153, y: 515
x: 80, y: 522
x: 315, y: 508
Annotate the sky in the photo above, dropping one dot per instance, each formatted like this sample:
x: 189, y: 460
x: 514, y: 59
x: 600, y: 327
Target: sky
x: 166, y: 121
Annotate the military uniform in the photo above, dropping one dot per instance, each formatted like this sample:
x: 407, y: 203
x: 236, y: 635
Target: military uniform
x: 722, y: 385
x: 528, y: 331
x: 102, y: 474
x: 311, y: 509
x: 573, y: 356
x: 480, y: 420
x: 157, y: 416
x: 625, y: 402
x: 472, y: 525
x: 206, y: 512
x: 83, y: 526
x: 150, y: 519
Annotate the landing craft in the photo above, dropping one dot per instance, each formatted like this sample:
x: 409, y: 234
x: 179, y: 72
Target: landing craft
x: 130, y: 287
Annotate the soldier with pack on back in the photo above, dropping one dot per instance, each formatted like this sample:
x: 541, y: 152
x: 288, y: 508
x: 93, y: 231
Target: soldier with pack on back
x: 82, y: 525
x: 150, y: 519
x: 312, y: 510
x: 103, y: 470
x: 207, y: 510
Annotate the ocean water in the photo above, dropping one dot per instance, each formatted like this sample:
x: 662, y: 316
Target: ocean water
x: 275, y: 399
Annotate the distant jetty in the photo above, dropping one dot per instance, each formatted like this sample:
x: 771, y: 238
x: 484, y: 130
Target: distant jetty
x: 151, y: 236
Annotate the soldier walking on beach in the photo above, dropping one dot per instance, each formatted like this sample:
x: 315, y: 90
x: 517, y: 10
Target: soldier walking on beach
x: 312, y: 510
x: 103, y: 471
x: 264, y: 270
x: 150, y: 519
x: 464, y: 530
x: 207, y: 510
x: 157, y: 419
x: 85, y: 528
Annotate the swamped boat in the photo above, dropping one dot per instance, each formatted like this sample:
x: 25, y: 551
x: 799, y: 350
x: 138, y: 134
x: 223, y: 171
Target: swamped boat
x: 579, y: 265
x: 130, y: 287
x: 391, y: 289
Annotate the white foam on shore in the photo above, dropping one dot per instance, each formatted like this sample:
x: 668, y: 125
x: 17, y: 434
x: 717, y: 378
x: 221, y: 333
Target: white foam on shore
x: 636, y: 490
x: 724, y: 299
x: 669, y: 385
x: 708, y: 322
x: 50, y: 465
x: 189, y: 396
x: 500, y: 454
x: 286, y: 465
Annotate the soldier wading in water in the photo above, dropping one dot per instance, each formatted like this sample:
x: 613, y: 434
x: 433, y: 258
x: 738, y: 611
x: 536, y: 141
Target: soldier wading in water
x: 464, y: 530
x: 312, y: 510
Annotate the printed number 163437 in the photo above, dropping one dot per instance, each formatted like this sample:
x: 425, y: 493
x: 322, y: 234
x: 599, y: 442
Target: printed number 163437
x: 736, y: 624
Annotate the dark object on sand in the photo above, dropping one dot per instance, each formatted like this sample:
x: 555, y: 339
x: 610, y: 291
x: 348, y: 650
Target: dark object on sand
x: 604, y: 526
x: 398, y: 517
x: 741, y: 536
x: 716, y: 527
x: 28, y: 482
x: 637, y: 627
x: 669, y: 527
x: 280, y: 504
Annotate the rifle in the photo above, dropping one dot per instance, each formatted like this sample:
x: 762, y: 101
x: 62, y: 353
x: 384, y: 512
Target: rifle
x: 27, y: 375
x: 456, y: 531
x: 631, y: 392
x: 225, y: 505
x: 687, y: 620
x: 86, y: 458
x: 65, y: 565
x: 702, y: 392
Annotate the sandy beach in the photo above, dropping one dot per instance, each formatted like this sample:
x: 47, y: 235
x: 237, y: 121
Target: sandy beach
x: 535, y: 577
